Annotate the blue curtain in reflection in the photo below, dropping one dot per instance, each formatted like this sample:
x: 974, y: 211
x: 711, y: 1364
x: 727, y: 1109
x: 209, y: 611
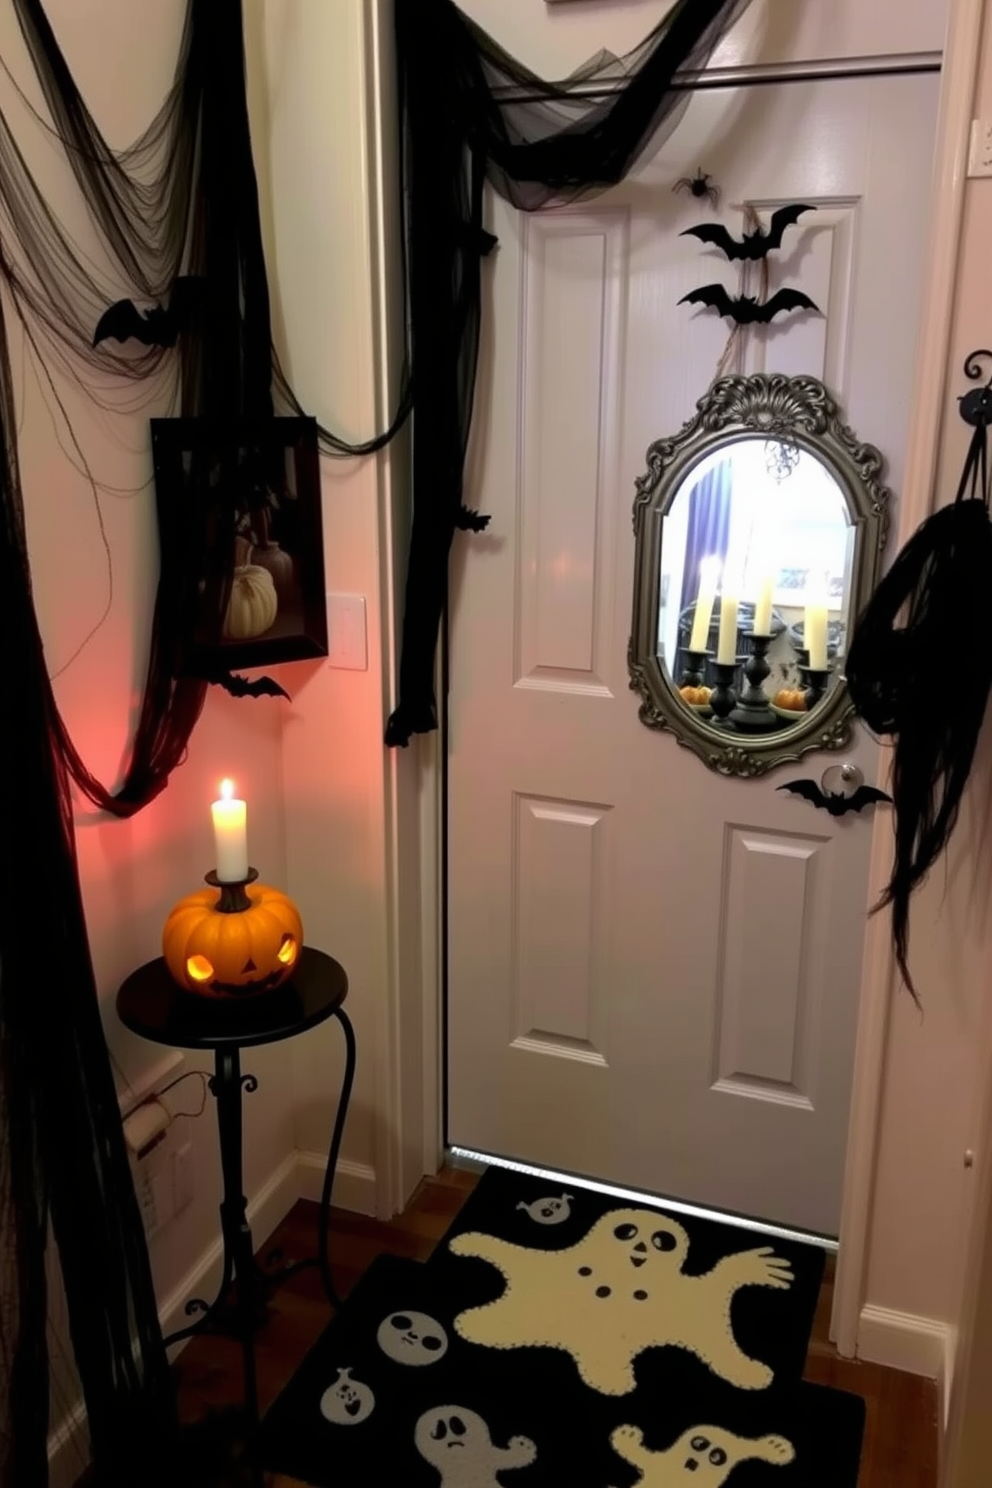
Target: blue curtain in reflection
x: 708, y: 536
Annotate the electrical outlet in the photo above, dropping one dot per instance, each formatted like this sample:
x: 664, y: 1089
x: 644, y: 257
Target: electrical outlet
x: 182, y: 1177
x: 161, y: 1184
x: 146, y: 1198
x: 980, y: 151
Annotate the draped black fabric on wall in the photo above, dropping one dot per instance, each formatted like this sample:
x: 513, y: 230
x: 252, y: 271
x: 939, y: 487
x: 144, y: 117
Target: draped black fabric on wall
x: 931, y: 603
x: 470, y: 112
x: 182, y: 201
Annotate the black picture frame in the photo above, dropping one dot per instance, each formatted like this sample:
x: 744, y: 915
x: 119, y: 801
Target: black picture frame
x: 226, y: 489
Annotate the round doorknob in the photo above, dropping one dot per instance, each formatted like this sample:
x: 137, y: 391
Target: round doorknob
x: 842, y: 780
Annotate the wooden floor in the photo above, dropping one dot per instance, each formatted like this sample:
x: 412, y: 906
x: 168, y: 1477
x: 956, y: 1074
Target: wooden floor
x: 901, y: 1440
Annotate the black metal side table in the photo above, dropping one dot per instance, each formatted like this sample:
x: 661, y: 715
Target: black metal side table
x: 150, y: 1003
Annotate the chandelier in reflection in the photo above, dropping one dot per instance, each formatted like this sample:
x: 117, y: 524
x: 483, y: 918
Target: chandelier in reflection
x: 780, y: 459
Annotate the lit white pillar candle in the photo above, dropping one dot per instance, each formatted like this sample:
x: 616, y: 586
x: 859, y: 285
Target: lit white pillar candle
x: 230, y: 835
x: 709, y: 574
x: 815, y: 627
x: 726, y: 653
x: 763, y: 607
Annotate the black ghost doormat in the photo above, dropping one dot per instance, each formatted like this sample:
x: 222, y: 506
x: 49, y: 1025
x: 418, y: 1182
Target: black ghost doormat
x: 570, y: 1340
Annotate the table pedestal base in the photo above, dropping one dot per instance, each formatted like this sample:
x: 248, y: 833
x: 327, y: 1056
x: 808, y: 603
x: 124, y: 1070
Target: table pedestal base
x: 243, y: 1316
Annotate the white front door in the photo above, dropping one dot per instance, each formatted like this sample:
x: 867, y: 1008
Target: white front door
x: 654, y: 970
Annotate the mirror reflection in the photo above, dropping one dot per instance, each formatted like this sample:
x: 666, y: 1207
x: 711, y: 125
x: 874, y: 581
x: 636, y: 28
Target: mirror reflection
x: 756, y: 583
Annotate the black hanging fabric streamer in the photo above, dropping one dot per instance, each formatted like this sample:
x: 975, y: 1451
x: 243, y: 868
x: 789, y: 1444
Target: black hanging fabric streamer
x: 470, y: 113
x: 181, y: 202
x: 61, y: 1146
x: 929, y: 605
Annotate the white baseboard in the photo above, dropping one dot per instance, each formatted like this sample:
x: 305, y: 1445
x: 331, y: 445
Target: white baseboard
x: 354, y: 1183
x: 900, y: 1340
x: 298, y: 1176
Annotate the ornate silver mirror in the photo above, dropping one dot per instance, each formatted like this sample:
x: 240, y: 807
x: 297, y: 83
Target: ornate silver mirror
x: 759, y: 528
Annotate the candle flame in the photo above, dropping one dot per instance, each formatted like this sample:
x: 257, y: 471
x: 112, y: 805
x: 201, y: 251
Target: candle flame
x: 227, y: 790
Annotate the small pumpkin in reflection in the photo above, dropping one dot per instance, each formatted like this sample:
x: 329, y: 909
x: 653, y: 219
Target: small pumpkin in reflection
x: 792, y: 699
x: 233, y: 955
x: 695, y: 696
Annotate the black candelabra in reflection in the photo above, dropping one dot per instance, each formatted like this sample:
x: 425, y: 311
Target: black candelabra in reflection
x: 753, y: 713
x: 741, y: 704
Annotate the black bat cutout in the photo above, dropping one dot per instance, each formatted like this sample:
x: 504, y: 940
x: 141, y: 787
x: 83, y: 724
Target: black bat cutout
x: 239, y: 686
x: 745, y: 311
x: 753, y: 245
x: 835, y: 801
x: 157, y: 326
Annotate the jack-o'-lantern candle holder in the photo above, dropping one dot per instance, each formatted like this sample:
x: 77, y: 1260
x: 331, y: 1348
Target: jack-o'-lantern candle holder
x: 232, y: 939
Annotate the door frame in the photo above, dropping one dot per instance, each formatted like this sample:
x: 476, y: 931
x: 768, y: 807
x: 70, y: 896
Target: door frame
x: 410, y: 1107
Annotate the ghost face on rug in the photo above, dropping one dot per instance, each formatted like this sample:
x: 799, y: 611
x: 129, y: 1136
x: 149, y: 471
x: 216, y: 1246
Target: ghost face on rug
x: 549, y: 1211
x: 703, y: 1456
x: 617, y: 1292
x: 412, y: 1338
x: 457, y: 1442
x: 347, y: 1402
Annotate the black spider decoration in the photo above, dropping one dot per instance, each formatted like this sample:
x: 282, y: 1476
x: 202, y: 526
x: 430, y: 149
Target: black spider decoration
x: 699, y: 185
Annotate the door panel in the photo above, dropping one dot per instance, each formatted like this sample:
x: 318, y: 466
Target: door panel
x: 572, y: 297
x: 654, y: 970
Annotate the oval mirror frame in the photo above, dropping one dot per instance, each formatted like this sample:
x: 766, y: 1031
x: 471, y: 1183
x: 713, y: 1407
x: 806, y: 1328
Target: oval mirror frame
x: 794, y: 410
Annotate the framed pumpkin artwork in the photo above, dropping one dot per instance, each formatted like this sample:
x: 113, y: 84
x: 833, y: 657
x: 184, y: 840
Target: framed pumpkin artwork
x: 242, y: 557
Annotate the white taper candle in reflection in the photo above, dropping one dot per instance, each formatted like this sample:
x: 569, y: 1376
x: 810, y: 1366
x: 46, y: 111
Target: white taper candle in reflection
x: 726, y: 653
x: 763, y: 606
x: 815, y: 625
x: 230, y: 835
x: 709, y: 574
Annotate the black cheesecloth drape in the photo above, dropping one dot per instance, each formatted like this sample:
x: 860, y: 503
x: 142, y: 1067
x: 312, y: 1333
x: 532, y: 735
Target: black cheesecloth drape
x: 471, y: 113
x: 182, y: 201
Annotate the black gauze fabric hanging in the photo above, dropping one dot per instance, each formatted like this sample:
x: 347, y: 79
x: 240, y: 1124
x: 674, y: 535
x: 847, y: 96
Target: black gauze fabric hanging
x: 930, y: 604
x: 178, y: 213
x: 182, y: 199
x: 470, y: 112
x: 180, y: 205
x: 61, y: 1147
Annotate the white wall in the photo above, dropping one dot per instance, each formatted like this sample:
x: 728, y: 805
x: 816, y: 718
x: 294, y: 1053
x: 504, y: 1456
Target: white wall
x: 309, y: 85
x: 938, y: 1065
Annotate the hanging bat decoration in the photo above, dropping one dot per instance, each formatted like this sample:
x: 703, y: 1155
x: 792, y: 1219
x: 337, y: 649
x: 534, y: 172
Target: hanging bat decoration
x: 745, y: 311
x: 836, y: 802
x: 157, y: 326
x: 239, y: 686
x: 753, y: 245
x: 699, y: 185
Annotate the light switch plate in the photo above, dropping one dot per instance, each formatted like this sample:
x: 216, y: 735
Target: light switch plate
x: 347, y: 646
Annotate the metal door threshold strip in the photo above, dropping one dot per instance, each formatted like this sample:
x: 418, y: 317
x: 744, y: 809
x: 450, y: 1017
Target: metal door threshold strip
x: 464, y: 1156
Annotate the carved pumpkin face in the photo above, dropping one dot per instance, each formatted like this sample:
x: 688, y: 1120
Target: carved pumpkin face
x: 232, y: 955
